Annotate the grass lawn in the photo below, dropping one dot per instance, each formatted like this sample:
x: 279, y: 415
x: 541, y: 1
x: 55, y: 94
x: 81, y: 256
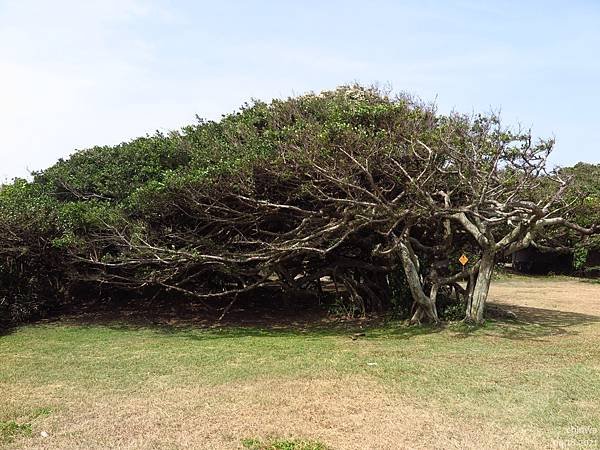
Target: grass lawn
x: 529, y: 383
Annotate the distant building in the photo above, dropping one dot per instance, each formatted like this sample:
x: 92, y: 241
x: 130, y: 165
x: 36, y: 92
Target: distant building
x: 533, y: 261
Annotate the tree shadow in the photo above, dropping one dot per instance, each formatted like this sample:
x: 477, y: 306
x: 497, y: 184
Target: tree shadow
x: 200, y: 324
x: 315, y: 326
x: 508, y: 321
x: 529, y: 323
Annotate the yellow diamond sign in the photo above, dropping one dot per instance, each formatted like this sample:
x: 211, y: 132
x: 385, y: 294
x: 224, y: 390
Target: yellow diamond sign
x: 463, y: 259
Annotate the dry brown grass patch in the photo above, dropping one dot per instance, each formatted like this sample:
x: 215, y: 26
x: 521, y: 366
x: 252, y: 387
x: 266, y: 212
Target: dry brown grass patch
x: 341, y: 413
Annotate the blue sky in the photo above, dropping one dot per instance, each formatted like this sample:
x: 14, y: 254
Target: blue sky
x: 74, y: 74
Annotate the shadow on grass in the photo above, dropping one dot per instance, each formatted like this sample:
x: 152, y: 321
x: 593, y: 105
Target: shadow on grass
x: 508, y: 321
x: 511, y: 322
x: 188, y: 320
x: 522, y: 322
x: 353, y: 329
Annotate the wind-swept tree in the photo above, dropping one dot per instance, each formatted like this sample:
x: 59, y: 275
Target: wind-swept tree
x: 479, y: 181
x: 351, y: 186
x: 345, y: 192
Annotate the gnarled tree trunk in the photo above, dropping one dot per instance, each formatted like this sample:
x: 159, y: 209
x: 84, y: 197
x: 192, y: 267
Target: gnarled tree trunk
x: 478, y: 295
x: 425, y: 304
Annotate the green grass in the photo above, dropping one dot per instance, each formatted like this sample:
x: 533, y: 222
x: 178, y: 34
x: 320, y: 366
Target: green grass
x: 282, y: 444
x: 100, y: 357
x: 10, y: 429
x: 544, y: 375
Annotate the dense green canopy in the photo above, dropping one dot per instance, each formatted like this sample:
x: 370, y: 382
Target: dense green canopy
x: 278, y: 195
